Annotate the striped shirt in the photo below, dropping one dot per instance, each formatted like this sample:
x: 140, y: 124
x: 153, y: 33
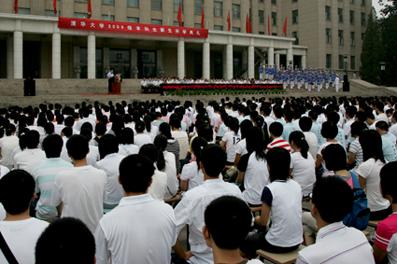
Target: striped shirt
x: 279, y: 143
x: 385, y: 230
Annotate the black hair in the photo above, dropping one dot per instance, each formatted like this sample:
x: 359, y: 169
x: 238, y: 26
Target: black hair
x: 388, y: 180
x: 151, y: 152
x: 276, y: 129
x: 16, y: 191
x: 52, y: 146
x: 100, y: 129
x: 357, y: 128
x: 334, y: 156
x: 49, y: 128
x: 332, y: 208
x: 255, y: 142
x: 300, y: 141
x: 32, y: 139
x: 165, y: 130
x: 58, y: 241
x: 371, y: 143
x: 77, y: 147
x: 224, y: 214
x: 147, y: 119
x: 175, y: 121
x: 213, y: 160
x: 233, y: 124
x: 382, y: 125
x: 329, y: 130
x: 305, y: 123
x: 139, y: 126
x: 127, y: 136
x: 161, y: 142
x: 67, y: 132
x: 278, y: 161
x: 198, y: 144
x: 87, y: 133
x: 69, y: 121
x: 244, y: 126
x: 136, y: 173
x: 107, y: 145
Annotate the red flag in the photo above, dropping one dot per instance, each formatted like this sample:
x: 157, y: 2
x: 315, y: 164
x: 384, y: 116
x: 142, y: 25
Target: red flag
x: 54, y: 5
x: 202, y: 17
x: 285, y: 26
x: 16, y: 6
x: 89, y: 8
x: 180, y: 18
x: 269, y: 30
x: 228, y: 22
x: 249, y: 23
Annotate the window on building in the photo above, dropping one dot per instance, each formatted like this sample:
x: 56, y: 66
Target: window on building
x: 328, y: 35
x: 352, y: 39
x: 218, y: 27
x: 352, y: 2
x: 24, y: 10
x: 236, y: 11
x: 295, y: 16
x: 274, y: 18
x: 363, y: 2
x: 340, y: 15
x: 328, y: 61
x: 296, y: 36
x: 353, y: 62
x: 197, y: 7
x: 341, y: 38
x: 157, y: 21
x: 351, y: 17
x: 261, y: 16
x: 236, y: 29
x: 176, y: 5
x: 49, y: 12
x: 341, y: 62
x: 157, y: 5
x: 274, y: 2
x: 80, y: 1
x: 80, y: 15
x: 108, y: 17
x: 133, y: 3
x: 108, y: 2
x: 328, y: 13
x: 133, y: 19
x: 218, y: 8
x: 363, y: 19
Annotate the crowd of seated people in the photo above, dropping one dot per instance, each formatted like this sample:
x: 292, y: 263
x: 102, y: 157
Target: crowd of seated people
x: 120, y: 182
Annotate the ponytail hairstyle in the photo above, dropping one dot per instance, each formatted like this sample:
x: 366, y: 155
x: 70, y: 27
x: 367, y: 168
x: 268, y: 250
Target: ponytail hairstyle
x: 255, y: 142
x: 198, y: 144
x: 151, y: 152
x: 148, y: 123
x: 233, y: 124
x: 244, y: 127
x: 298, y: 138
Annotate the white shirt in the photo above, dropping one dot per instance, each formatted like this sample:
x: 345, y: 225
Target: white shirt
x: 3, y: 171
x: 158, y: 188
x: 393, y: 129
x: 183, y: 140
x: 2, y: 212
x: 113, y: 189
x: 191, y: 173
x: 231, y: 140
x: 21, y: 237
x: 81, y: 190
x: 142, y: 139
x: 370, y: 171
x: 128, y: 149
x: 303, y: 171
x: 312, y: 141
x: 140, y: 230
x: 337, y: 244
x: 7, y: 146
x: 392, y: 250
x: 28, y: 159
x: 241, y: 147
x: 190, y: 211
x: 170, y: 170
x: 255, y: 179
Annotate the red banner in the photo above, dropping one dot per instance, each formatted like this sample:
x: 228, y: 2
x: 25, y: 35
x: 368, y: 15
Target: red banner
x: 130, y: 28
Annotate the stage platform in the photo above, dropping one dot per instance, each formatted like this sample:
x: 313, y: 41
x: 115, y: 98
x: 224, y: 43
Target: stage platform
x: 70, y: 91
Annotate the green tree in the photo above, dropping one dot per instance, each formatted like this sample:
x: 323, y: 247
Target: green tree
x: 371, y: 52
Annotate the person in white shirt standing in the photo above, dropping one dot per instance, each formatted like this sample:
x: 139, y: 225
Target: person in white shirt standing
x: 141, y: 229
x: 80, y: 190
x: 190, y: 210
x: 227, y: 222
x: 335, y: 243
x: 20, y: 231
x: 110, y: 160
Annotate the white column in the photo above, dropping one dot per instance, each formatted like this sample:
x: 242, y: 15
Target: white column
x: 290, y: 57
x: 181, y: 58
x: 303, y: 62
x: 56, y: 55
x: 270, y: 56
x: 10, y: 55
x: 91, y: 60
x: 206, y: 60
x: 229, y: 61
x: 278, y: 60
x: 251, y: 62
x: 18, y: 55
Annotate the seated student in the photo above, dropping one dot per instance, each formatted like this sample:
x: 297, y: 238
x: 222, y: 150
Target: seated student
x: 110, y: 160
x: 302, y: 163
x: 190, y: 210
x: 20, y: 231
x: 32, y: 155
x: 65, y: 241
x: 230, y: 140
x: 126, y: 140
x: 253, y: 172
x: 305, y: 124
x: 282, y: 204
x: 388, y: 141
x: 355, y: 151
x: 335, y: 243
x: 276, y: 130
x: 385, y: 246
x: 221, y: 216
x: 141, y: 229
x: 192, y: 175
x: 141, y: 138
x: 80, y: 190
x: 45, y: 175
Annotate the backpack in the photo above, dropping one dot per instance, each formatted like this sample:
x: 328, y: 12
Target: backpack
x: 359, y: 215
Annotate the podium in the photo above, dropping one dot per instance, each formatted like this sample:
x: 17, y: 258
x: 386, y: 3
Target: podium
x: 116, y: 88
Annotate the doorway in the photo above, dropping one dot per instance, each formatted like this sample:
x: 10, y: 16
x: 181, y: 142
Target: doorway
x: 147, y: 64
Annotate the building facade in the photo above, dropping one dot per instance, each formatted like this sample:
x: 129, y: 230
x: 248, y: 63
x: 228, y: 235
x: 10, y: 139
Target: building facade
x: 31, y: 44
